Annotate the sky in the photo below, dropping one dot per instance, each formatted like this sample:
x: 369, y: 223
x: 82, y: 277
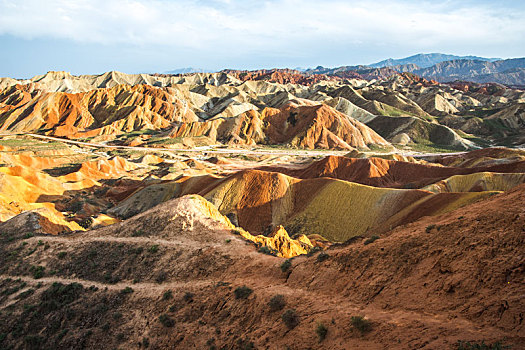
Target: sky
x: 146, y: 36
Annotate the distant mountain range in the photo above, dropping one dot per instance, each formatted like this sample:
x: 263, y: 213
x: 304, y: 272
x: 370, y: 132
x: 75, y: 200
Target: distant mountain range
x: 186, y: 70
x: 439, y: 67
x: 427, y: 60
x: 443, y: 68
x: 508, y: 72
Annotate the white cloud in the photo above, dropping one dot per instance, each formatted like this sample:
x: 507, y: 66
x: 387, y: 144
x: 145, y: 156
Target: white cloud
x: 288, y: 26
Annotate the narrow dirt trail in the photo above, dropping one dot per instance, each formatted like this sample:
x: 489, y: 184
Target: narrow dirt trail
x: 332, y: 304
x: 135, y: 240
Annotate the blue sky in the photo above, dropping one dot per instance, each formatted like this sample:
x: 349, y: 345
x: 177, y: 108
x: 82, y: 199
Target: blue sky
x: 94, y: 36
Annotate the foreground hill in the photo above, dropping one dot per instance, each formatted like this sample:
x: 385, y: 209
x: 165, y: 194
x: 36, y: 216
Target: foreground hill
x: 236, y: 249
x: 177, y: 277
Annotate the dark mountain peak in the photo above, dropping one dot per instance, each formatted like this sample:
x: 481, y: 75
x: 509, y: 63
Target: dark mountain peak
x: 427, y: 60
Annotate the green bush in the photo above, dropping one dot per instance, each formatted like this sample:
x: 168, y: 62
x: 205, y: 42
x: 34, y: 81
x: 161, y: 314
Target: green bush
x: 86, y: 222
x: 242, y: 292
x: 322, y: 256
x: 138, y: 233
x: 361, y: 324
x: 267, y: 250
x: 25, y: 294
x: 313, y: 250
x: 127, y: 290
x: 145, y: 342
x: 290, y: 318
x: 429, y: 228
x: 167, y: 295
x: 161, y: 277
x: 286, y: 265
x: 188, y: 297
x: 245, y: 344
x: 154, y: 248
x: 166, y: 320
x: 60, y: 294
x: 371, y: 240
x: 321, y: 331
x: 277, y: 303
x: 34, y: 341
x: 37, y: 271
x: 61, y: 255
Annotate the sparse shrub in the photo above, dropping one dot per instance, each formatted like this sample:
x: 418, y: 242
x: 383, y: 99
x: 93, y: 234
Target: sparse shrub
x: 92, y: 254
x: 167, y: 295
x: 286, y: 265
x: 430, y: 228
x: 37, y: 271
x: 137, y: 250
x: 29, y: 235
x: 277, y: 303
x: 62, y: 334
x: 290, y: 318
x: 127, y: 290
x: 86, y: 222
x: 109, y: 278
x: 34, y: 341
x: 322, y: 256
x: 138, y: 233
x: 245, y: 344
x: 154, y: 248
x: 211, y: 344
x: 242, y: 292
x: 188, y: 297
x: 313, y: 250
x: 462, y: 345
x: 361, y: 324
x: 61, y: 255
x: 60, y: 294
x: 117, y: 315
x: 25, y: 294
x: 145, y: 342
x: 161, y: 277
x: 371, y: 240
x: 39, y: 243
x: 267, y: 250
x: 228, y: 240
x: 321, y: 331
x: 166, y: 320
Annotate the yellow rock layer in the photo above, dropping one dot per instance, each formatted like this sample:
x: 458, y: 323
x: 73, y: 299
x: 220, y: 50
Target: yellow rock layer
x: 478, y: 182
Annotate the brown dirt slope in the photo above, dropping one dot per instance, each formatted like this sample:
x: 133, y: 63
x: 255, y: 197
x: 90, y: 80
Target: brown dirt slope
x: 420, y: 286
x: 387, y: 173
